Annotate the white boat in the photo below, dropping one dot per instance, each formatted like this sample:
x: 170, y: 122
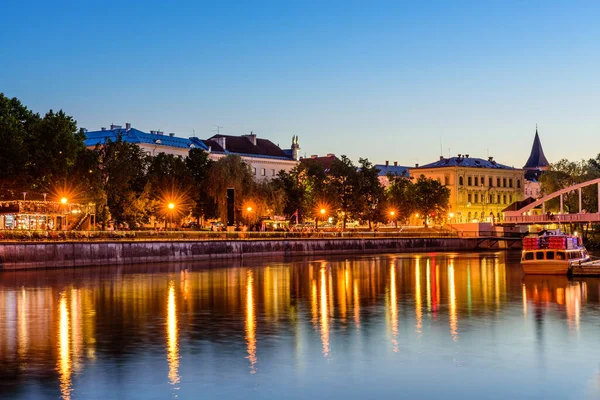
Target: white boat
x: 552, y: 253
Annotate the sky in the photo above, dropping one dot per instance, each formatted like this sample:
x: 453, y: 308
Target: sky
x: 383, y: 80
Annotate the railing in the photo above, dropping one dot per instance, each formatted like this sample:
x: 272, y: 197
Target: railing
x: 552, y: 218
x: 208, y: 235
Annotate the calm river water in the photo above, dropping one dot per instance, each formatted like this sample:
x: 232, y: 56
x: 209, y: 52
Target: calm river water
x: 437, y: 325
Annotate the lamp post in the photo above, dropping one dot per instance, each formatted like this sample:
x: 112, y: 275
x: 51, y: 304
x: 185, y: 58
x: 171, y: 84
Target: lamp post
x: 393, y: 215
x: 322, y: 211
x: 64, y: 201
x: 171, y: 210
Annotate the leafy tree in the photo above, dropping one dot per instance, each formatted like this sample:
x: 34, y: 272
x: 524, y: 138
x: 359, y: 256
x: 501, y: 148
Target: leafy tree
x: 313, y: 179
x: 371, y: 194
x: 199, y: 165
x: 123, y: 168
x: 431, y: 198
x: 230, y: 172
x: 344, y: 183
x: 399, y: 196
x: 15, y: 120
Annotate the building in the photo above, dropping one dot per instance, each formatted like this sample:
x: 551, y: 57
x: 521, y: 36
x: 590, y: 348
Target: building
x: 534, y: 167
x: 324, y: 161
x: 265, y: 158
x: 479, y: 189
x: 387, y: 169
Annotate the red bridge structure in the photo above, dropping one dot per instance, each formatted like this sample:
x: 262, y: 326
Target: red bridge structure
x: 525, y: 216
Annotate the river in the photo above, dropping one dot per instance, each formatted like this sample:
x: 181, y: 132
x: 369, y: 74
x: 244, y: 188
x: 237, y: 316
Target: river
x: 428, y: 325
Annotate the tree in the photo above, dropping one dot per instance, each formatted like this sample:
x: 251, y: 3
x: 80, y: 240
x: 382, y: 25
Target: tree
x: 431, y: 198
x: 371, y: 194
x: 230, y: 172
x: 344, y: 183
x: 123, y: 168
x: 199, y: 165
x: 15, y: 120
x: 399, y: 196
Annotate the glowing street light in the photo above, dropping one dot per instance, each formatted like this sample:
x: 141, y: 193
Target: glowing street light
x: 64, y: 200
x: 171, y: 206
x: 249, y: 209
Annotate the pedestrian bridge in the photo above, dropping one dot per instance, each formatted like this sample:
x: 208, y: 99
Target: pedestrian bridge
x: 526, y: 215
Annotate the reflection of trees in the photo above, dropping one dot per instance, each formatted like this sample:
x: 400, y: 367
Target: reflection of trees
x: 110, y: 315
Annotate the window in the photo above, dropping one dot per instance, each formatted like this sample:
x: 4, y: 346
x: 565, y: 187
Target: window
x: 263, y: 172
x: 446, y: 180
x: 498, y: 182
x: 503, y: 182
x: 272, y: 172
x: 469, y: 197
x: 490, y: 180
x: 529, y: 256
x: 504, y: 199
x: 254, y: 171
x: 460, y: 181
x: 476, y: 181
x: 560, y: 255
x: 549, y: 255
x: 469, y: 181
x: 469, y: 216
x: 491, y: 199
x: 518, y: 184
x: 476, y: 198
x: 510, y: 182
x: 510, y: 199
x: 539, y: 255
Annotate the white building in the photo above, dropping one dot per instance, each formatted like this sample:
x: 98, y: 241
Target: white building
x: 265, y: 158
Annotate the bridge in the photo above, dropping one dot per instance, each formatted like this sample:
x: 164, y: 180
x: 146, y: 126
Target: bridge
x: 525, y: 216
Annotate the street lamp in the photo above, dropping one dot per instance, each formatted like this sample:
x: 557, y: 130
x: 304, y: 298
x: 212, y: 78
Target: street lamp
x: 322, y: 211
x: 171, y: 207
x: 393, y: 215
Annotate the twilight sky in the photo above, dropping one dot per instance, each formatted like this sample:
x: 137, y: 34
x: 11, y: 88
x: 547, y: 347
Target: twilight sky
x: 386, y: 80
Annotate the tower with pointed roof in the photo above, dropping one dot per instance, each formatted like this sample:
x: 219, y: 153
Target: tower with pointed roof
x: 534, y: 167
x: 537, y: 160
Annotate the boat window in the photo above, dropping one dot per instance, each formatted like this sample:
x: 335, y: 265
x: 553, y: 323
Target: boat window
x: 549, y: 255
x: 539, y: 255
x: 529, y: 256
x: 560, y: 255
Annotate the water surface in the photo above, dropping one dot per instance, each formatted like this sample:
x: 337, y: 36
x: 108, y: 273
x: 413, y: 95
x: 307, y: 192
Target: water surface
x: 439, y: 325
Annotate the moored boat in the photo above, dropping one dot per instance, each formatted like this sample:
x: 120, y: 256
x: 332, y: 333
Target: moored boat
x: 552, y: 253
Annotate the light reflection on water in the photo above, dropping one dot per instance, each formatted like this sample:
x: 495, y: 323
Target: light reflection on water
x: 357, y: 327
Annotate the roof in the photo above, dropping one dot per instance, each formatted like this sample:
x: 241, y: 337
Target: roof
x: 326, y: 162
x: 533, y: 175
x: 136, y: 136
x: 517, y: 205
x: 245, y: 146
x: 465, y: 162
x: 537, y: 159
x: 399, y: 170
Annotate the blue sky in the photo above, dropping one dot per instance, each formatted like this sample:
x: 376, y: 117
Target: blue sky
x: 385, y: 80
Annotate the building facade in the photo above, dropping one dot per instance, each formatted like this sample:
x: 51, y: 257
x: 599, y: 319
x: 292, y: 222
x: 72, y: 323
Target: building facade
x: 264, y: 157
x: 479, y: 189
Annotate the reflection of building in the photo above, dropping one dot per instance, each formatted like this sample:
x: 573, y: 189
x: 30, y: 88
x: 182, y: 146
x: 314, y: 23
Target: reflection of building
x: 534, y: 167
x: 479, y: 189
x: 265, y: 158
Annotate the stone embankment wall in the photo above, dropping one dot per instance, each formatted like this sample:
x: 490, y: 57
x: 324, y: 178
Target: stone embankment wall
x: 73, y: 254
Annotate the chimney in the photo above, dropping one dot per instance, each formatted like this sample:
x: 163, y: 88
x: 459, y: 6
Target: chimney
x: 395, y: 163
x: 441, y: 158
x: 103, y: 128
x: 221, y: 142
x: 160, y: 133
x: 466, y: 156
x: 314, y: 156
x: 112, y: 126
x: 387, y: 163
x: 417, y: 165
x: 490, y: 159
x: 251, y: 137
x: 153, y: 132
x: 171, y: 134
x: 127, y: 126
